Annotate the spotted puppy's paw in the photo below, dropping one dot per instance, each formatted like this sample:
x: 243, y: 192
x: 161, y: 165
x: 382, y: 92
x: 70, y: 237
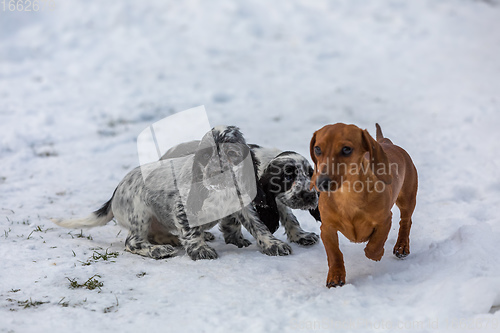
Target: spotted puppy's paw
x: 208, y: 236
x: 162, y: 251
x: 275, y: 247
x: 306, y: 239
x: 203, y: 252
x: 238, y: 241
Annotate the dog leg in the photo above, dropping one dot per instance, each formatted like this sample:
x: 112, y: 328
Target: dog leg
x: 265, y: 240
x: 292, y: 227
x: 193, y: 240
x: 140, y: 223
x: 137, y: 243
x: 402, y: 247
x: 164, y: 238
x: 158, y: 234
x: 374, y: 249
x: 336, y: 268
x: 231, y: 229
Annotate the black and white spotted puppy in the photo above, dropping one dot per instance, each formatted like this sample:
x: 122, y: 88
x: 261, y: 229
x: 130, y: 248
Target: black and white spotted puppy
x: 151, y: 200
x: 285, y: 179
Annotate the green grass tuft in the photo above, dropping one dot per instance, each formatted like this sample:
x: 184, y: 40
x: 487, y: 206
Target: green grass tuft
x: 91, y: 284
x: 26, y: 304
x: 106, y: 256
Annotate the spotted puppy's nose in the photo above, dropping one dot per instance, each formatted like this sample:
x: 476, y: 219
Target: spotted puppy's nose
x: 323, y: 183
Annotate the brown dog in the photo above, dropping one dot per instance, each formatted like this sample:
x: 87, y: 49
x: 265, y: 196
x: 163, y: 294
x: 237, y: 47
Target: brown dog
x: 359, y: 180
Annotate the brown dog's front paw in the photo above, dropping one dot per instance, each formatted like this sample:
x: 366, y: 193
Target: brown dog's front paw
x: 375, y: 255
x: 335, y: 279
x: 401, y: 250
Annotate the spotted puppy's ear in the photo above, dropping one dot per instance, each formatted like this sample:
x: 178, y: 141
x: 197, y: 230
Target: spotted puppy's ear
x: 196, y: 197
x: 182, y: 150
x: 198, y: 193
x: 378, y: 159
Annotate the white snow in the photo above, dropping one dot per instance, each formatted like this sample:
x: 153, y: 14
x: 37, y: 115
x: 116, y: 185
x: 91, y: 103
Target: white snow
x: 78, y: 85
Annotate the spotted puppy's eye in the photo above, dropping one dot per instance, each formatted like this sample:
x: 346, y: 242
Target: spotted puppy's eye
x: 289, y: 177
x: 317, y: 150
x: 232, y: 154
x: 206, y: 156
x: 346, y: 151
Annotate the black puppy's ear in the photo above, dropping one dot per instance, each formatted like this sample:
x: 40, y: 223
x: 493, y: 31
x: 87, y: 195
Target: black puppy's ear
x: 269, y: 216
x: 268, y: 212
x: 265, y: 202
x: 315, y: 213
x: 266, y: 185
x: 260, y: 197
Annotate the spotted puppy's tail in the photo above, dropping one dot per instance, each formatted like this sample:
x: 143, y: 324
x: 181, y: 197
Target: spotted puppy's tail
x: 98, y: 218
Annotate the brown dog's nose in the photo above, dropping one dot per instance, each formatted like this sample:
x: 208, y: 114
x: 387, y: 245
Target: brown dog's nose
x: 323, y: 183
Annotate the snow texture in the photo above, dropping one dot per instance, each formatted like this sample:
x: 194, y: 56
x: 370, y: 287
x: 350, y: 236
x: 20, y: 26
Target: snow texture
x: 78, y: 85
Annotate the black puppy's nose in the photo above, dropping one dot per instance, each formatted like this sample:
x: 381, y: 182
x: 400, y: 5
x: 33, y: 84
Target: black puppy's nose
x: 308, y: 196
x: 323, y: 183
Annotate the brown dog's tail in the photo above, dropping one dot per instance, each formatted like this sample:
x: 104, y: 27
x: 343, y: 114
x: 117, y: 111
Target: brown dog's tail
x: 380, y: 136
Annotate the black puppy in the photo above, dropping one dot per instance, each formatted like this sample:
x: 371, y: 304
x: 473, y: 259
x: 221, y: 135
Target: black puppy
x: 285, y: 178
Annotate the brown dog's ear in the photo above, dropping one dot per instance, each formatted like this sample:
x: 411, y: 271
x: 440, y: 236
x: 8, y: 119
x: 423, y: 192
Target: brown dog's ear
x: 311, y: 149
x: 378, y: 158
x: 313, y: 157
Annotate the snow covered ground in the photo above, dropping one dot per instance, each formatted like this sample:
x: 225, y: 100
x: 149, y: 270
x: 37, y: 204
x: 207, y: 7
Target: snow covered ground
x: 78, y: 84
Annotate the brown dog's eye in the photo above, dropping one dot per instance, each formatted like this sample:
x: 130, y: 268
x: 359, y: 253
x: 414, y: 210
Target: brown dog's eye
x: 346, y: 151
x: 317, y: 150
